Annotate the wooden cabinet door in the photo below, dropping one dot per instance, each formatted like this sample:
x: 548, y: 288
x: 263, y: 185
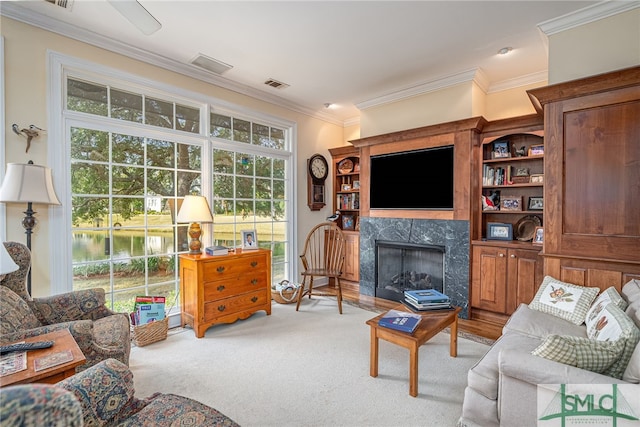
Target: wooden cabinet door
x: 489, y: 283
x: 524, y: 273
x: 351, y: 270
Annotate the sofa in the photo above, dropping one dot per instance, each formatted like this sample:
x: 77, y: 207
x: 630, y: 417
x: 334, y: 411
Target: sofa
x: 543, y: 346
x: 102, y: 395
x: 100, y: 333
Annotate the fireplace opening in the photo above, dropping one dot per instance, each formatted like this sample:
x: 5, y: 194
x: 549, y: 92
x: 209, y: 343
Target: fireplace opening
x: 407, y: 266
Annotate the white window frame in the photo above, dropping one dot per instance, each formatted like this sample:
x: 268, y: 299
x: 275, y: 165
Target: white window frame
x: 59, y: 68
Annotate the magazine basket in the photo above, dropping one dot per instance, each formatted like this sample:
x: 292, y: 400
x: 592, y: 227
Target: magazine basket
x: 151, y: 332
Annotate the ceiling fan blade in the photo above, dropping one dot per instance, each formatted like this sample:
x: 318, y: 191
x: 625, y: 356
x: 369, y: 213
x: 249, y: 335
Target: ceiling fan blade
x: 137, y: 15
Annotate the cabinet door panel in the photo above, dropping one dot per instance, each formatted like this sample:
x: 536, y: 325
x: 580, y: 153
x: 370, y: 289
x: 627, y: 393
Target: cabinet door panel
x: 524, y: 272
x: 352, y: 257
x: 489, y: 278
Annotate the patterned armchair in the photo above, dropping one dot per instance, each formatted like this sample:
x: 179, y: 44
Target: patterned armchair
x: 102, y: 395
x: 100, y: 333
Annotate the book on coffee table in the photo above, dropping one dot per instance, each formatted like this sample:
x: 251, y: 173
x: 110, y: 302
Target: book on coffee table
x: 400, y: 320
x: 52, y: 359
x: 425, y: 296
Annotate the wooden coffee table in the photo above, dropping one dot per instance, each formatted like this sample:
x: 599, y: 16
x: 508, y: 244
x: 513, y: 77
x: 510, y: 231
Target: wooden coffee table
x: 62, y: 340
x: 432, y: 322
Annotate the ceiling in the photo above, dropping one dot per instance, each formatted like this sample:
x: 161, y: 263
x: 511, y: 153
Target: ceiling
x: 348, y: 53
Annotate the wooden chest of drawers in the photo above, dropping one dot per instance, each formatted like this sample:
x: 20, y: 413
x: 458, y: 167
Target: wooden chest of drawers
x: 224, y: 288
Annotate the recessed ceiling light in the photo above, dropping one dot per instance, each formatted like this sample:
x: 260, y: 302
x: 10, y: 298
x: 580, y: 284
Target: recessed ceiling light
x: 505, y: 50
x: 328, y: 105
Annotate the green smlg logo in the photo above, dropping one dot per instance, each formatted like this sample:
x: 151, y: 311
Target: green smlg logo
x: 565, y: 405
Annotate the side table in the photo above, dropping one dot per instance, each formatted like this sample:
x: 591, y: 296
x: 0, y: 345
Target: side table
x: 432, y: 322
x: 62, y: 340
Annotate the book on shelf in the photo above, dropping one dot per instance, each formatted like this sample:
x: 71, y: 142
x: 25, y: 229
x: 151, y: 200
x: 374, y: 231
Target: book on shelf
x: 422, y: 296
x: 52, y: 359
x: 400, y: 321
x: 217, y: 250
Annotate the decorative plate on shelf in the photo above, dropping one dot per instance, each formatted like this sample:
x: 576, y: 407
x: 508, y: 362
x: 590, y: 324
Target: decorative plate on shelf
x: 345, y: 166
x: 526, y: 228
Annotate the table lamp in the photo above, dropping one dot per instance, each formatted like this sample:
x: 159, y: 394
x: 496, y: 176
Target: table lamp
x: 195, y: 210
x: 28, y: 183
x: 7, y: 265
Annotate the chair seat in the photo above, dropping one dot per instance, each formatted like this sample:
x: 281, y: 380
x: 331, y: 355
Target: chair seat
x: 321, y: 272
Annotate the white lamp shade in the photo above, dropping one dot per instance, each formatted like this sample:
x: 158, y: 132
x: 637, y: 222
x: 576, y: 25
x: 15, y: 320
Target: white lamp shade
x: 28, y: 183
x: 194, y: 209
x: 6, y: 262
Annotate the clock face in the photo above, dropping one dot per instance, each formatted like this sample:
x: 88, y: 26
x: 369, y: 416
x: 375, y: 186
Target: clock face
x: 318, y: 167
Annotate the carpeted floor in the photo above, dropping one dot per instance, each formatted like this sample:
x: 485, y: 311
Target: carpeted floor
x: 307, y: 368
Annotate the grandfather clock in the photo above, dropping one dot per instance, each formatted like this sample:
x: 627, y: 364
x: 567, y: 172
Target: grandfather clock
x: 317, y: 172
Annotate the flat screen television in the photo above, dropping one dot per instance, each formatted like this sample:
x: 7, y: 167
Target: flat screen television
x: 421, y: 179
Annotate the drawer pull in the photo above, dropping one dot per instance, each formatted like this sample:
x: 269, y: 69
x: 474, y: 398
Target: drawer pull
x: 220, y: 288
x: 254, y: 281
x: 221, y: 307
x: 254, y: 263
x: 501, y: 255
x: 220, y: 269
x: 254, y: 299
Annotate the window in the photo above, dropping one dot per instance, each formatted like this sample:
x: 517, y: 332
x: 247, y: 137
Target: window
x: 134, y: 155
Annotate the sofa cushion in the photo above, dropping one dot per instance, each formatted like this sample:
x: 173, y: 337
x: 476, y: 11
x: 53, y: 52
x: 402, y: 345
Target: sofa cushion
x: 15, y: 314
x: 613, y: 324
x: 483, y: 376
x: 564, y: 300
x: 584, y: 353
x: 631, y: 290
x: 537, y: 324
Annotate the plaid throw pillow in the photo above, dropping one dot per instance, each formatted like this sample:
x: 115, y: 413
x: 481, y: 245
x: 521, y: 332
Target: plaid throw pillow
x: 584, y: 353
x: 607, y: 296
x: 565, y: 300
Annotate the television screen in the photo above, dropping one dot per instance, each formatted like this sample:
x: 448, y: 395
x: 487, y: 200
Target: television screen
x: 421, y: 179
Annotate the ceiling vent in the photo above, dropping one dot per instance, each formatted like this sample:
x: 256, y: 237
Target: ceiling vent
x: 65, y: 4
x: 276, y: 84
x: 210, y: 64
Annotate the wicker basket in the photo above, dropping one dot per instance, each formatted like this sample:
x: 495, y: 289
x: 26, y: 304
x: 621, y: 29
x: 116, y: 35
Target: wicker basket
x: 151, y: 332
x: 285, y: 296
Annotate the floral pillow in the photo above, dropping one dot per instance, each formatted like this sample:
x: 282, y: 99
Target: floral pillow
x: 564, y: 300
x: 609, y: 295
x: 613, y: 325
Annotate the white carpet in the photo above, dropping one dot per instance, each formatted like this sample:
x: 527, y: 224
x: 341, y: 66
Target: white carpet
x: 307, y: 368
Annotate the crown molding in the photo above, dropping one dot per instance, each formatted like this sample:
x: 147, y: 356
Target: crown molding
x: 13, y: 11
x: 586, y: 15
x: 431, y: 86
x: 529, y: 79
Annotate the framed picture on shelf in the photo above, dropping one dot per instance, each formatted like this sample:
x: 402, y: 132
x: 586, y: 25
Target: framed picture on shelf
x: 345, y: 187
x: 249, y: 239
x: 537, y: 178
x: 538, y: 236
x: 356, y: 185
x: 536, y: 150
x: 348, y: 222
x: 509, y: 203
x: 499, y: 231
x: 501, y: 149
x: 521, y: 172
x: 536, y: 203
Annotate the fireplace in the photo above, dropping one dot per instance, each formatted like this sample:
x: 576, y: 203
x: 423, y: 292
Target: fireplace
x: 407, y: 266
x: 452, y: 235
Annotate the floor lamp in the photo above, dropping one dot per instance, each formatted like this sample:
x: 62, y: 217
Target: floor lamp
x: 28, y: 183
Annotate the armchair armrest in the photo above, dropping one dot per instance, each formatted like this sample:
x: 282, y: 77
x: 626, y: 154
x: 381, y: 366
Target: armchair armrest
x: 39, y: 405
x: 82, y: 332
x: 109, y: 378
x: 87, y: 304
x: 521, y: 374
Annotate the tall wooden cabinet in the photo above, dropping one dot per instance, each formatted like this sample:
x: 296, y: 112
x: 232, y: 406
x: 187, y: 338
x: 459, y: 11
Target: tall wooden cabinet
x: 592, y: 178
x: 345, y: 164
x: 505, y: 273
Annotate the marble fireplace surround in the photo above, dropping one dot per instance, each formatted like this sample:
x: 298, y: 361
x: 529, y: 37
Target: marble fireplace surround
x: 452, y: 234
